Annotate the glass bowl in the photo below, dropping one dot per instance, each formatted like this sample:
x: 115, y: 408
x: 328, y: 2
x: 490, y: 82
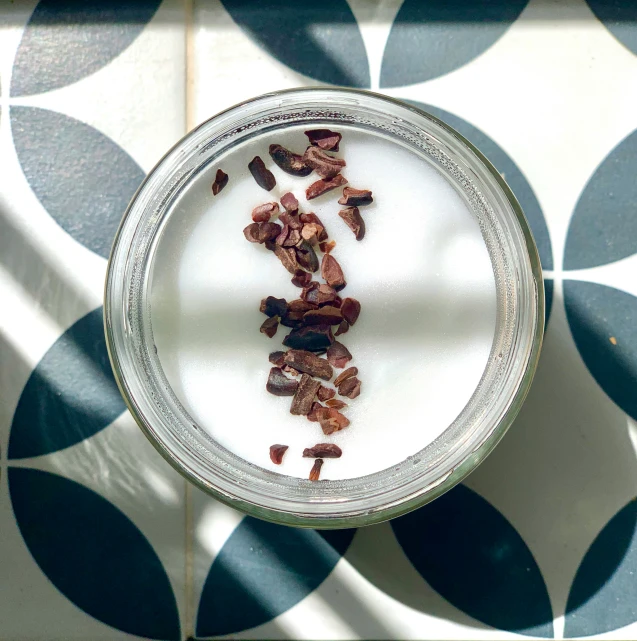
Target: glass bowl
x: 423, y: 476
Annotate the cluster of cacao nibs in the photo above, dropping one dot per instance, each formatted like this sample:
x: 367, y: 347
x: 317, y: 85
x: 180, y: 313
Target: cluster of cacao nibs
x: 320, y: 313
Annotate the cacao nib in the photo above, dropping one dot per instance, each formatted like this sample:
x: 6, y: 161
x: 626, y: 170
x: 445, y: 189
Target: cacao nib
x: 338, y: 355
x: 324, y: 165
x: 289, y: 162
x: 336, y: 403
x: 323, y: 450
x: 326, y: 248
x: 269, y: 326
x: 343, y: 327
x: 326, y: 294
x: 305, y: 395
x: 332, y: 420
x: 327, y: 315
x: 321, y: 187
x: 345, y: 374
x: 293, y: 220
x: 301, y: 278
x: 332, y: 272
x: 221, y: 180
x: 293, y: 238
x: 324, y: 138
x: 276, y: 453
x: 325, y: 393
x: 356, y: 197
x: 315, y: 472
x: 272, y: 306
x: 261, y: 232
x: 311, y: 232
x: 290, y: 370
x: 290, y: 203
x: 310, y: 292
x: 315, y: 338
x: 276, y: 358
x: 263, y: 176
x: 309, y: 363
x: 350, y: 387
x: 315, y: 412
x: 279, y: 384
x: 287, y: 256
x: 350, y: 308
x: 263, y: 213
x: 354, y: 221
x: 306, y: 256
x: 314, y: 219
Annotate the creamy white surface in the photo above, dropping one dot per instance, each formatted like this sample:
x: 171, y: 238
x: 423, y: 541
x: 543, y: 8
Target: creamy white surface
x: 423, y: 277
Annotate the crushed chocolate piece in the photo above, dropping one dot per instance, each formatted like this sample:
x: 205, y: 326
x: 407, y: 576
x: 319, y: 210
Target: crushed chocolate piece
x: 338, y: 355
x: 327, y: 315
x: 290, y: 203
x: 326, y: 248
x: 301, y: 278
x: 263, y: 213
x: 313, y: 219
x: 321, y: 187
x: 325, y: 393
x: 308, y: 363
x: 293, y: 220
x: 276, y: 453
x: 287, y: 256
x: 323, y: 450
x: 356, y: 197
x: 350, y: 308
x: 306, y: 256
x: 261, y: 232
x: 315, y: 412
x: 336, y: 403
x: 324, y: 165
x: 263, y: 176
x: 289, y: 162
x: 269, y: 326
x: 221, y: 180
x: 324, y: 138
x: 343, y: 327
x: 305, y: 395
x: 345, y: 374
x: 276, y: 358
x: 332, y: 272
x: 314, y: 338
x: 354, y: 221
x: 350, y: 387
x: 331, y: 420
x: 315, y: 472
x: 272, y: 306
x: 279, y: 384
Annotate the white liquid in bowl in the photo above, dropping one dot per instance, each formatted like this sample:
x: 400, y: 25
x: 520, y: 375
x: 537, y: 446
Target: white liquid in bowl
x: 422, y: 275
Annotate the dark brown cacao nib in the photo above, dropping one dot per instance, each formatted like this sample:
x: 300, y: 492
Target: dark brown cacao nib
x: 324, y: 138
x: 269, y: 326
x: 350, y: 387
x: 293, y: 238
x: 301, y: 278
x: 289, y: 162
x: 331, y: 420
x: 356, y: 197
x: 221, y: 180
x: 263, y: 213
x: 325, y: 393
x: 292, y: 220
x: 272, y: 306
x: 314, y: 219
x: 279, y: 384
x: 306, y: 256
x: 276, y: 358
x: 315, y: 338
x: 354, y: 221
x: 332, y: 272
x: 336, y: 403
x: 327, y: 315
x: 315, y: 412
x: 276, y: 453
x: 345, y: 374
x: 326, y: 248
x: 351, y: 309
x: 263, y: 176
x: 261, y: 232
x: 309, y: 363
x: 290, y: 203
x: 342, y: 328
x: 315, y: 472
x: 287, y: 256
x: 323, y: 450
x: 338, y: 355
x: 305, y: 395
x: 324, y: 165
x: 321, y: 187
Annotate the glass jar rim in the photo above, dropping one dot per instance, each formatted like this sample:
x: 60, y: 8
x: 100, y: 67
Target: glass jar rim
x: 396, y: 490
